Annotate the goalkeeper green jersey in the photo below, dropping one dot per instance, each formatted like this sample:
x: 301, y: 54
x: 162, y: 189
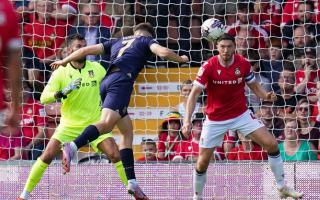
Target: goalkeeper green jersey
x: 82, y: 106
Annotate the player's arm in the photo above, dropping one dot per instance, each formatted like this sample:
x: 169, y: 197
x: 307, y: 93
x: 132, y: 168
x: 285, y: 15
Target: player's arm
x: 80, y: 53
x: 191, y: 104
x: 260, y: 92
x: 168, y: 54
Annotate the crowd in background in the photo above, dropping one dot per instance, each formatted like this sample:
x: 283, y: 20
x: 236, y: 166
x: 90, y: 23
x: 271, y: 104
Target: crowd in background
x: 279, y: 38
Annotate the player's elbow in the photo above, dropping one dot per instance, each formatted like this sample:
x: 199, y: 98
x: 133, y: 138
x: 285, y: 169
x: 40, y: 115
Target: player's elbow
x: 164, y: 52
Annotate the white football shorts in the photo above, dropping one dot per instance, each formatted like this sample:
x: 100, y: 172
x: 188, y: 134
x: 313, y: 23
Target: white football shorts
x: 213, y: 131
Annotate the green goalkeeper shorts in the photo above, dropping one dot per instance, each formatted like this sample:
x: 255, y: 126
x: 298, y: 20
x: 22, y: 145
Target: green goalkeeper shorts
x: 63, y: 134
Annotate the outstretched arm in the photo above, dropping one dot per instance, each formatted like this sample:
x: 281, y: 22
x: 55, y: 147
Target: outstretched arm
x: 80, y: 53
x: 168, y: 54
x: 191, y: 103
x: 260, y: 92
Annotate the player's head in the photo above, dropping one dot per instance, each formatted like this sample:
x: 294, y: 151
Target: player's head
x: 144, y: 29
x: 226, y: 47
x: 75, y: 42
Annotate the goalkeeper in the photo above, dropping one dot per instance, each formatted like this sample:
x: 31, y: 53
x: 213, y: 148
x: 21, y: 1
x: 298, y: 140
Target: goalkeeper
x: 79, y: 91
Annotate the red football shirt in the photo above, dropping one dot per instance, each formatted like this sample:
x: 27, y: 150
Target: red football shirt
x: 258, y: 34
x: 187, y: 149
x: 9, y: 39
x: 225, y: 87
x: 311, y: 88
x: 33, y: 116
x: 45, y: 39
x: 168, y: 144
x: 238, y: 153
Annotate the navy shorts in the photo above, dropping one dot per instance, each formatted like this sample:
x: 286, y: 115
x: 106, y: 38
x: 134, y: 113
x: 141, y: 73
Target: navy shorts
x: 115, y: 91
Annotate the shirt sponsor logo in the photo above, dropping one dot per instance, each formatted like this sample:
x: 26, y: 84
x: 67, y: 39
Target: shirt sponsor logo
x: 231, y: 82
x: 91, y: 73
x: 93, y: 83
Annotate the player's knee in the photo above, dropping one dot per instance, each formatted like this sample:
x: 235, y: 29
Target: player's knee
x: 47, y: 157
x: 202, y: 165
x: 114, y: 156
x: 272, y: 146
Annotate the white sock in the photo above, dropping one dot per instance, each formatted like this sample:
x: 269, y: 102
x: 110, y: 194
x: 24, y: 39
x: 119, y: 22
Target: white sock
x: 74, y: 147
x: 276, y: 165
x: 199, y: 180
x: 132, y: 181
x: 25, y: 195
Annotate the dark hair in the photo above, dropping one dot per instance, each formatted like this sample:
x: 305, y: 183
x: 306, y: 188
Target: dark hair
x: 246, y: 6
x: 310, y: 3
x: 226, y: 36
x: 73, y: 37
x: 145, y: 27
x: 148, y: 142
x: 288, y: 66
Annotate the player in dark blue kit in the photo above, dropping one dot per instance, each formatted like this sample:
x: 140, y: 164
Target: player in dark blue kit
x: 128, y: 56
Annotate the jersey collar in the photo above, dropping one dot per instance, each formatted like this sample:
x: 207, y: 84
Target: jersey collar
x: 223, y: 64
x: 77, y: 68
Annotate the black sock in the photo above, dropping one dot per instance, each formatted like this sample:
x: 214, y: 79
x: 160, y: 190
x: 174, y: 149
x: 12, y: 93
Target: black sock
x: 274, y: 154
x: 128, y: 163
x: 88, y: 135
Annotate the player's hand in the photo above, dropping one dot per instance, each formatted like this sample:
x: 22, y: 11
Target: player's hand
x: 57, y: 64
x: 186, y: 129
x: 74, y: 85
x: 271, y: 96
x: 184, y: 58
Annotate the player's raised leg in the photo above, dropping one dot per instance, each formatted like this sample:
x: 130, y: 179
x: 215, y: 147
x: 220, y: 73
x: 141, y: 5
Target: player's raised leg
x: 40, y: 166
x: 269, y: 143
x: 91, y: 133
x: 126, y: 153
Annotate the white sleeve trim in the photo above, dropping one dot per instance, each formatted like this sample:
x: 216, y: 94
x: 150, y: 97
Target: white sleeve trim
x: 15, y: 44
x: 251, y: 80
x: 71, y: 10
x: 198, y: 84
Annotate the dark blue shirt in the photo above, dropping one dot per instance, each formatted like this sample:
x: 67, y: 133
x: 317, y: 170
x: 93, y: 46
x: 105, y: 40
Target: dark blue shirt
x: 129, y: 54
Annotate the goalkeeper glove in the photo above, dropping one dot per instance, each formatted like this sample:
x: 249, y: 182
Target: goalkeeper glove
x: 74, y: 85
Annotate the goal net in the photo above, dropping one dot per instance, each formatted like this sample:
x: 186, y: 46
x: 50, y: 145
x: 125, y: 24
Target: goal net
x: 278, y: 38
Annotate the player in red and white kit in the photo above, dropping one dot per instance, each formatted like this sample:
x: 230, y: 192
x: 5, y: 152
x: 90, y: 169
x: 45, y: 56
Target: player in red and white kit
x: 224, y: 77
x: 10, y: 47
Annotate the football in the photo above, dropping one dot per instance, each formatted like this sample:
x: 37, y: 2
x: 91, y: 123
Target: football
x: 212, y: 29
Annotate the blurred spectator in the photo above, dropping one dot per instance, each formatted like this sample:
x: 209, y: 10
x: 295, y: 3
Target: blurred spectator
x: 287, y: 97
x: 10, y: 144
x: 189, y: 150
x: 308, y: 76
x: 291, y: 7
x: 90, y: 27
x: 185, y: 89
x: 65, y: 10
x: 305, y: 18
x: 245, y: 21
x: 247, y: 150
x: 267, y: 14
x: 268, y: 116
x: 302, y: 38
x: 149, y: 148
x: 171, y: 20
x: 244, y: 42
x: 309, y: 129
x: 33, y: 125
x: 272, y: 67
x: 293, y: 148
x: 253, y: 100
x: 170, y: 136
x: 43, y: 36
x: 121, y: 13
